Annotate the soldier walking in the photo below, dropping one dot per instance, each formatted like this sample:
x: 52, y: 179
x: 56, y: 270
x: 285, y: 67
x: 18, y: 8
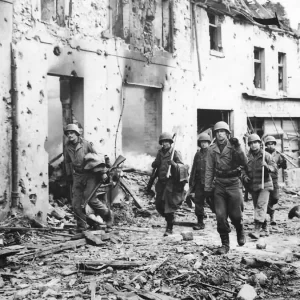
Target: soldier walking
x: 169, y: 191
x: 197, y: 179
x: 280, y: 161
x: 252, y: 177
x: 224, y: 161
x: 84, y: 181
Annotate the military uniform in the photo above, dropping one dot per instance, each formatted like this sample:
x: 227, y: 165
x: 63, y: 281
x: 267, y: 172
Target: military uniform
x: 83, y: 181
x: 274, y: 195
x: 260, y: 196
x: 161, y: 163
x: 197, y: 180
x: 224, y: 168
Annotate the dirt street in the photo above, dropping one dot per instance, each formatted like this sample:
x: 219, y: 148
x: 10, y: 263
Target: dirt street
x: 135, y: 261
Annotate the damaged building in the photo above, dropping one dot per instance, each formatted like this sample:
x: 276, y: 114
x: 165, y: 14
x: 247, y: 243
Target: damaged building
x: 126, y: 70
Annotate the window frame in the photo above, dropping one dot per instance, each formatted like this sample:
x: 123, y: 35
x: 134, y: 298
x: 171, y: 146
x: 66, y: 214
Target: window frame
x: 217, y: 38
x: 261, y: 61
x: 282, y: 65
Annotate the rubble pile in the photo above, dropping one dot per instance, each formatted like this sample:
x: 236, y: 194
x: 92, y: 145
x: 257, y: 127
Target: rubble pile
x: 135, y: 261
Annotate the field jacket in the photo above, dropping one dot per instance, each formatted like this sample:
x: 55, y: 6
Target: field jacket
x: 254, y: 171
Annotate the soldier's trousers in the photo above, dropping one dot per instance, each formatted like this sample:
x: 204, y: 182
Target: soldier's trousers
x: 199, y: 200
x: 83, y: 185
x: 228, y: 200
x: 273, y: 200
x: 260, y: 201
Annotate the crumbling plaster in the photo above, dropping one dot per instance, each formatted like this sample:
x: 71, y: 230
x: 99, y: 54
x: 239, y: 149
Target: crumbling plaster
x: 226, y: 76
x: 5, y: 106
x: 103, y: 64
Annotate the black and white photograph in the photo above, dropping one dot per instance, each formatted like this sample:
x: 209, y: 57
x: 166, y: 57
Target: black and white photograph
x: 150, y: 149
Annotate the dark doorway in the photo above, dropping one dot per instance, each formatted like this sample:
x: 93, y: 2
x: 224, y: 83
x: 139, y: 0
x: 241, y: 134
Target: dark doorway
x: 207, y: 118
x: 65, y: 106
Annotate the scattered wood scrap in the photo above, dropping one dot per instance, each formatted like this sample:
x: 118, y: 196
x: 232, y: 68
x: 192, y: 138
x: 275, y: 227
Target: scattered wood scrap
x: 95, y: 240
x: 48, y: 250
x: 130, y: 192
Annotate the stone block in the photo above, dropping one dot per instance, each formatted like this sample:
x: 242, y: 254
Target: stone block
x: 247, y: 292
x: 187, y: 235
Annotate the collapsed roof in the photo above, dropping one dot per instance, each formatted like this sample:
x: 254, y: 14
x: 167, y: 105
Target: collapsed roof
x: 246, y: 10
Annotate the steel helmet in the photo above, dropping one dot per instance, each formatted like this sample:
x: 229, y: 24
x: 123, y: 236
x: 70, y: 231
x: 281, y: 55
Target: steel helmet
x: 72, y: 127
x: 203, y: 137
x: 222, y: 125
x: 165, y: 136
x: 270, y: 139
x: 253, y: 138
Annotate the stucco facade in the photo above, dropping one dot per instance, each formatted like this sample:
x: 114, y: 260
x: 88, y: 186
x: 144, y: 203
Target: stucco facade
x: 100, y: 67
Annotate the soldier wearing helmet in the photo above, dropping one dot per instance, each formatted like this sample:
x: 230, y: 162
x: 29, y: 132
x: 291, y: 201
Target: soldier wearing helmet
x: 196, y: 182
x: 270, y: 143
x: 84, y: 180
x: 252, y: 178
x: 169, y: 191
x: 224, y: 161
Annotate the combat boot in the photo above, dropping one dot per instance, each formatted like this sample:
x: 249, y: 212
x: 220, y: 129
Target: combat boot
x: 200, y: 225
x: 109, y: 219
x: 256, y: 233
x: 225, y: 245
x: 272, y: 219
x: 170, y: 220
x: 241, y: 238
x: 265, y: 229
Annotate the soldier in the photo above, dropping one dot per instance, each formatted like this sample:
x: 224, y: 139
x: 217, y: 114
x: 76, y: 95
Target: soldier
x: 169, y: 191
x: 197, y: 179
x: 84, y: 181
x: 270, y: 143
x: 252, y: 177
x: 224, y: 161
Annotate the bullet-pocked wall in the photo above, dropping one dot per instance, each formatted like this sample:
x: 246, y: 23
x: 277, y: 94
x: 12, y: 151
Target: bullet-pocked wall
x: 228, y: 70
x: 5, y: 106
x: 80, y: 45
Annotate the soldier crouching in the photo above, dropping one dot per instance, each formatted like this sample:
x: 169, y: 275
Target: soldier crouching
x: 169, y: 191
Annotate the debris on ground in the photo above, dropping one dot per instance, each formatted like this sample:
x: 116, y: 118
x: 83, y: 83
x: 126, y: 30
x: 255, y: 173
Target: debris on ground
x: 134, y: 260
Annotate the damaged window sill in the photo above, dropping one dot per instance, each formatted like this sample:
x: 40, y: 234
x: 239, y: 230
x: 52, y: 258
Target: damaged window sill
x: 217, y: 53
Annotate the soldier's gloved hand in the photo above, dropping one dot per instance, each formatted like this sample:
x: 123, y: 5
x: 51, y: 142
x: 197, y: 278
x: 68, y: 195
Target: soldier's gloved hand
x: 155, y: 165
x: 171, y: 163
x: 283, y: 165
x: 265, y: 165
x: 234, y: 141
x: 208, y: 194
x: 247, y: 179
x: 104, y: 177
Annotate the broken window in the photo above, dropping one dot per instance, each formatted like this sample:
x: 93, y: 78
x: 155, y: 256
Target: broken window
x: 54, y: 11
x: 145, y: 26
x: 215, y: 32
x: 259, y: 68
x: 282, y: 71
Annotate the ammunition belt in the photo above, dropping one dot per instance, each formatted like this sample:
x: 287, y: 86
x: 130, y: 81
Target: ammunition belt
x: 228, y: 174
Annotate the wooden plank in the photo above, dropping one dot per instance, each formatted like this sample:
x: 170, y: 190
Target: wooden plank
x: 131, y: 193
x: 49, y: 250
x: 93, y: 238
x: 111, y: 263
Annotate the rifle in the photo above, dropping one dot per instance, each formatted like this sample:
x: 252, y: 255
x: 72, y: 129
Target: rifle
x: 172, y: 155
x: 285, y: 156
x: 120, y: 159
x: 263, y: 167
x: 152, y: 179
